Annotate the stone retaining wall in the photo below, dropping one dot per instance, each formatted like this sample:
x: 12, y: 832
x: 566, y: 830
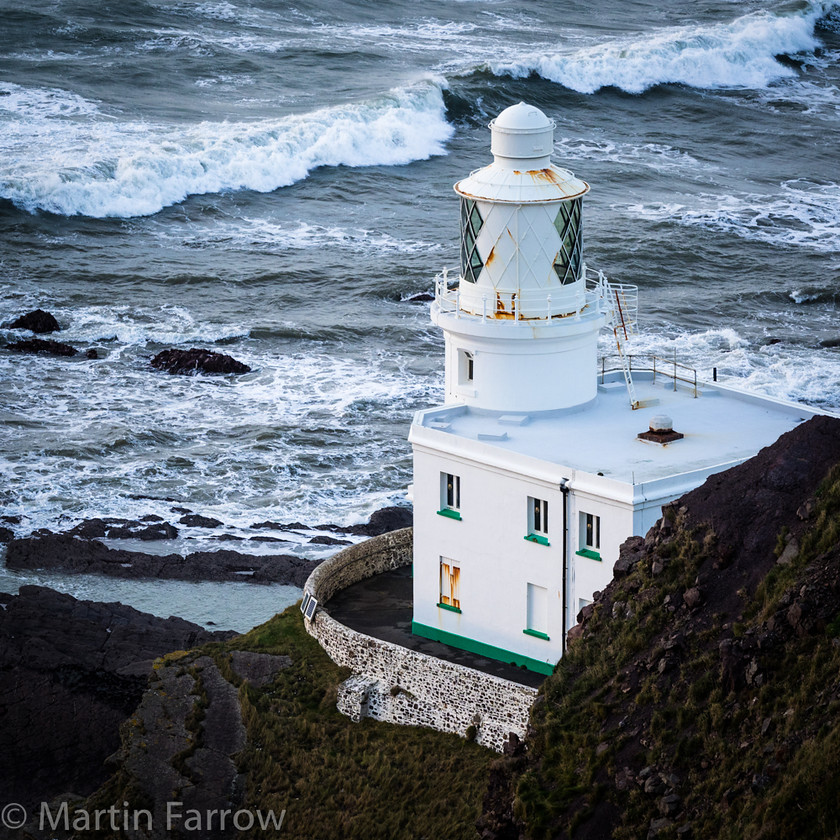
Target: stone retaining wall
x: 398, y: 685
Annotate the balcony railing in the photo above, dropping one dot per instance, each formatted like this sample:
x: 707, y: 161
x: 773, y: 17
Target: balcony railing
x: 658, y: 365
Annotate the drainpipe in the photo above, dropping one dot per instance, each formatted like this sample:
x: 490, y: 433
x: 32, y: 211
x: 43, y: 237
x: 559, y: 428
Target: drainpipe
x: 564, y: 489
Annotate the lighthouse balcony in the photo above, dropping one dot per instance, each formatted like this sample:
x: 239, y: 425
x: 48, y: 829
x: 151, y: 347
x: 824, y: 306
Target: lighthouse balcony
x: 466, y: 300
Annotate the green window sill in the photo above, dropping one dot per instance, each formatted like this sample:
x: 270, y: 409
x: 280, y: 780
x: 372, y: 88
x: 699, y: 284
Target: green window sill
x: 450, y: 608
x: 450, y: 514
x: 537, y: 538
x: 586, y: 552
x: 536, y: 634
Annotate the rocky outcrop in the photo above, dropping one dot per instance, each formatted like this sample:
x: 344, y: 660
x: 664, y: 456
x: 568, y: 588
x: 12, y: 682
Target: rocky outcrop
x: 46, y: 550
x: 698, y: 693
x: 70, y: 673
x: 196, y: 360
x: 37, y: 321
x: 43, y: 346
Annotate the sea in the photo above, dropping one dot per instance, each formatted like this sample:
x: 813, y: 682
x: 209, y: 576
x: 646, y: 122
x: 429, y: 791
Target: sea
x: 273, y: 180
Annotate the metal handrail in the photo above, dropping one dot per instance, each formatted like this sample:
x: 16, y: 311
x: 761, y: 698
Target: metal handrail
x: 667, y: 367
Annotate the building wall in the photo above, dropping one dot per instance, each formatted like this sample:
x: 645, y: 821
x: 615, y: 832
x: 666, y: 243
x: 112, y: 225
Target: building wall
x: 401, y: 686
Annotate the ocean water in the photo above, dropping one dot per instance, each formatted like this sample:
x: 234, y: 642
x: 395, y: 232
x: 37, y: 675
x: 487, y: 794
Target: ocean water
x: 274, y: 181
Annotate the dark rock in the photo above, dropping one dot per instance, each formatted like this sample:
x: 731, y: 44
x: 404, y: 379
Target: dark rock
x: 149, y: 528
x: 274, y: 526
x: 68, y: 553
x: 629, y: 553
x: 38, y: 321
x: 325, y: 540
x: 196, y: 360
x: 692, y: 598
x: 195, y: 520
x: 70, y: 673
x: 421, y: 297
x: 41, y: 345
x: 91, y: 354
x: 6, y: 534
x: 384, y: 520
x: 258, y: 668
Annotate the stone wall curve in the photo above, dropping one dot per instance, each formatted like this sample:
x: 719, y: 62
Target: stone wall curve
x: 402, y: 686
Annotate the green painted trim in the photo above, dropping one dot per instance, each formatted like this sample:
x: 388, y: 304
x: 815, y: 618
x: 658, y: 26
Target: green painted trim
x: 536, y: 538
x: 449, y: 514
x: 537, y: 634
x: 587, y: 552
x: 480, y: 648
x: 450, y: 607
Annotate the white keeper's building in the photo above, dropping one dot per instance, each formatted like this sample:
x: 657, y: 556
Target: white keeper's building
x: 532, y: 473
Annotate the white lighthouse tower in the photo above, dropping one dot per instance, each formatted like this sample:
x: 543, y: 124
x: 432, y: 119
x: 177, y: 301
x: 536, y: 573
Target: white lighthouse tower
x: 531, y: 343
x: 537, y: 467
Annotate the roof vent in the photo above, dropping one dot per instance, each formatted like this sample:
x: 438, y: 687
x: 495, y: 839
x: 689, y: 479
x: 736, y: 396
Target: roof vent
x: 661, y: 430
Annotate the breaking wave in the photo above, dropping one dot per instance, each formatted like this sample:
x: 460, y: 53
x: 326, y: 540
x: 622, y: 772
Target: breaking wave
x: 101, y: 166
x: 802, y: 214
x: 740, y: 54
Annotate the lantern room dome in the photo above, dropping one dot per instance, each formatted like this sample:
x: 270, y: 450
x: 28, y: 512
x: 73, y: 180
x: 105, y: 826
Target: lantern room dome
x: 522, y: 137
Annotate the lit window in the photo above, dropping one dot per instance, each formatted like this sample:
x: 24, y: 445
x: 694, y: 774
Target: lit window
x: 537, y: 520
x: 471, y: 222
x: 450, y: 584
x: 450, y: 495
x: 589, y: 541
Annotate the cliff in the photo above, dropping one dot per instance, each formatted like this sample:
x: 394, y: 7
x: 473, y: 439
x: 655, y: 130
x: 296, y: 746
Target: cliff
x: 700, y: 694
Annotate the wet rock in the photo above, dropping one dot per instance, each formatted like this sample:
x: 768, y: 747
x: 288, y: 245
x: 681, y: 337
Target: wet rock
x: 6, y: 534
x: 196, y: 360
x: 37, y: 321
x: 42, y: 346
x: 68, y: 553
x: 421, y: 297
x: 195, y: 520
x: 384, y: 520
x: 147, y: 529
x: 322, y: 539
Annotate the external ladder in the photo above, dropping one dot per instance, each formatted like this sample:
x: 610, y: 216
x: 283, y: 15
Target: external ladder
x: 618, y: 305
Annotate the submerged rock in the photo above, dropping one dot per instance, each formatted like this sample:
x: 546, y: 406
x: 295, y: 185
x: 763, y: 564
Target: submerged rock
x: 42, y: 345
x: 38, y: 321
x: 196, y: 360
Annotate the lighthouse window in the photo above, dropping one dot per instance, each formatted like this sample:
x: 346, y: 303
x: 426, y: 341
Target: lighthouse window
x: 471, y: 222
x: 450, y: 495
x: 568, y: 224
x: 590, y: 536
x: 537, y: 520
x: 450, y: 584
x: 466, y: 367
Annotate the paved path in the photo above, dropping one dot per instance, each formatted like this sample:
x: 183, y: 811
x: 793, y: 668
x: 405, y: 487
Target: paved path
x: 381, y: 607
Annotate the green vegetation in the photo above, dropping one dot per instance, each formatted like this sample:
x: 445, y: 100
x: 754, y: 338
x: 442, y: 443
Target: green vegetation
x: 749, y: 744
x: 334, y: 778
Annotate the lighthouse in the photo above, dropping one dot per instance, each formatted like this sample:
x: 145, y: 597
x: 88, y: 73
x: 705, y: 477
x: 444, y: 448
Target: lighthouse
x: 544, y: 458
x: 521, y: 330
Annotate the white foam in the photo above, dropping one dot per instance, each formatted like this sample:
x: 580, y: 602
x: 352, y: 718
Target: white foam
x: 658, y: 156
x: 785, y: 371
x: 274, y: 237
x: 115, y: 168
x: 802, y: 214
x: 740, y: 54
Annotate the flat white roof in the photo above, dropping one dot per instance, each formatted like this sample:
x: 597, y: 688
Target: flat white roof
x: 722, y: 426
